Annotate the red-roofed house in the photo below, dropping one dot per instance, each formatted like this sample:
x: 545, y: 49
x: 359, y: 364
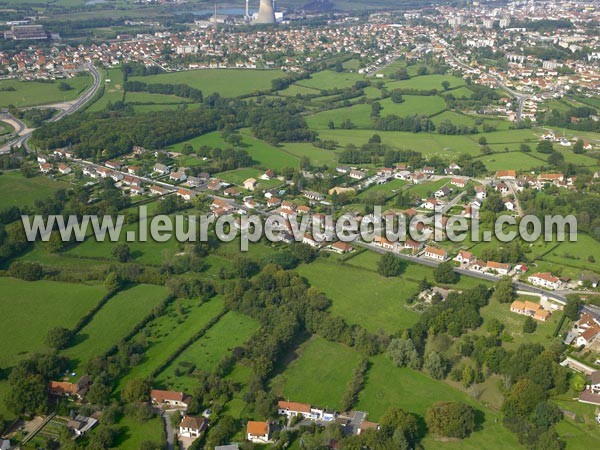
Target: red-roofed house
x: 436, y: 253
x: 258, y: 432
x: 169, y: 398
x: 545, y: 280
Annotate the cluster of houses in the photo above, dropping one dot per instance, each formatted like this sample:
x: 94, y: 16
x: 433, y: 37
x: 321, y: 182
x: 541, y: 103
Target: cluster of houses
x: 190, y: 427
x: 352, y: 423
x: 586, y: 331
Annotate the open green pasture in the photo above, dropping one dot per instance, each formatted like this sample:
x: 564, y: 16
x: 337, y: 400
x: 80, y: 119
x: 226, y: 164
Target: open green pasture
x: 319, y: 374
x: 113, y: 322
x: 226, y: 82
x: 164, y: 335
x: 20, y: 191
x: 230, y: 331
x: 30, y: 309
x: 33, y: 93
x: 363, y: 296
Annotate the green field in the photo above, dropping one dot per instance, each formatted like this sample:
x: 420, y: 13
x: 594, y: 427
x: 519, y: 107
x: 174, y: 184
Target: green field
x: 319, y: 375
x: 135, y: 432
x: 20, y: 191
x: 328, y: 79
x: 317, y: 156
x: 183, y: 319
x: 32, y: 93
x: 429, y: 144
x: 360, y: 114
x: 160, y: 99
x: 238, y: 176
x: 426, y: 82
x: 113, y: 89
x: 362, y: 296
x: 266, y: 156
x: 514, y: 323
x: 113, y: 322
x: 389, y: 386
x: 576, y: 254
x: 227, y: 82
x: 30, y: 309
x: 231, y: 331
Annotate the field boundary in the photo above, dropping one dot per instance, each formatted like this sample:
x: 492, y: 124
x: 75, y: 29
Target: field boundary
x: 90, y: 315
x: 161, y: 368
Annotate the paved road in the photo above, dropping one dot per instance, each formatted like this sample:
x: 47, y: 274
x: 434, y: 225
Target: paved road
x: 22, y: 140
x: 559, y: 297
x: 519, y: 97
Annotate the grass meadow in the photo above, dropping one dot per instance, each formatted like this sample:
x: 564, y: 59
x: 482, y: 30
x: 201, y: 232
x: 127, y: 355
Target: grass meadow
x: 265, y: 155
x: 164, y: 335
x: 33, y: 93
x: 362, y: 296
x: 230, y: 331
x: 226, y: 82
x: 113, y: 322
x: 20, y: 191
x: 319, y: 374
x: 30, y: 309
x: 135, y: 432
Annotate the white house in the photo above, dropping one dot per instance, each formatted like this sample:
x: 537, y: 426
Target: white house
x: 508, y: 204
x: 429, y: 204
x: 161, y: 169
x: 185, y: 194
x: 357, y: 174
x: 64, y: 169
x: 258, y: 432
x: 465, y: 257
x: 443, y: 192
x: 545, y: 280
x: 436, y: 253
x: 169, y: 398
x: 178, y: 176
x: 481, y: 192
x: 192, y: 427
x: 250, y: 184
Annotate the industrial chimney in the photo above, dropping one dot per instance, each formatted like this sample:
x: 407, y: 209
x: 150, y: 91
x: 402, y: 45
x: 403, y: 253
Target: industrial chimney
x: 266, y: 14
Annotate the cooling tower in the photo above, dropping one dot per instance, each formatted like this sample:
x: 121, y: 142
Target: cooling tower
x: 266, y: 14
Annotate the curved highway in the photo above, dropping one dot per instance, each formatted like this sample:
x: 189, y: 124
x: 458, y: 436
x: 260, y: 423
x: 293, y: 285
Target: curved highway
x: 21, y: 140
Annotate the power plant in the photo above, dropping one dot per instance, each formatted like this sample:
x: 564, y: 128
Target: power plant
x: 266, y: 12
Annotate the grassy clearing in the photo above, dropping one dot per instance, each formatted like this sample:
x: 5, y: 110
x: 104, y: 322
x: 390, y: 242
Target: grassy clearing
x: 387, y: 386
x: 30, y: 309
x: 330, y: 80
x: 363, y: 296
x: 135, y: 432
x: 167, y: 333
x: 427, y: 82
x: 231, y: 331
x: 265, y: 155
x: 32, y: 93
x: 238, y: 176
x: 429, y: 144
x: 319, y: 375
x: 576, y: 254
x: 424, y: 189
x: 227, y: 82
x: 113, y: 322
x: 317, y: 156
x: 513, y: 324
x: 20, y: 191
x: 113, y: 89
x: 146, y: 97
x: 510, y: 160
